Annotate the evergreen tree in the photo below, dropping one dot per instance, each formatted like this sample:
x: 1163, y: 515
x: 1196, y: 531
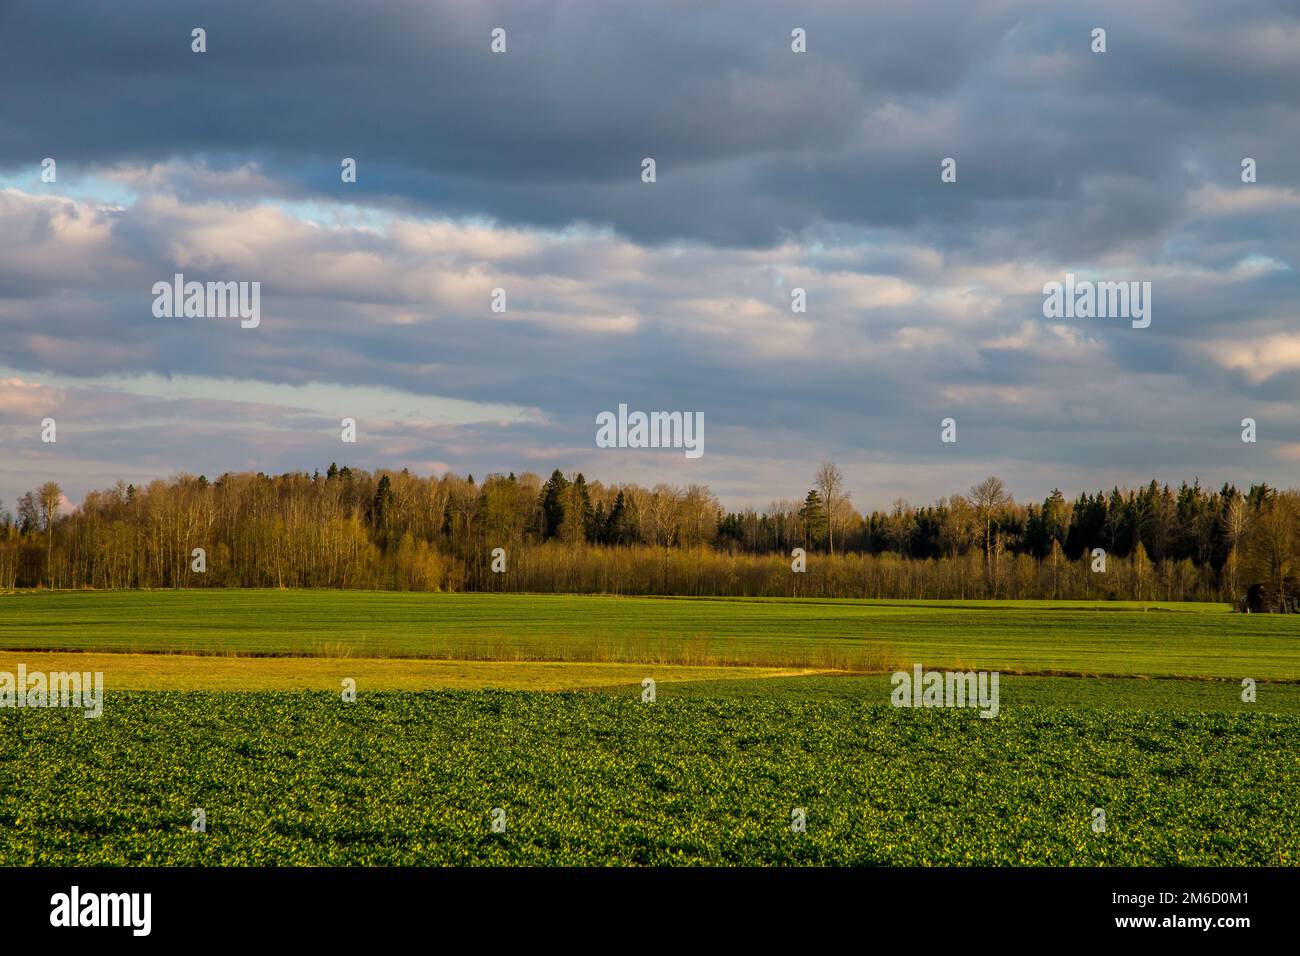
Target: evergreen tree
x: 614, y: 531
x: 553, y: 497
x: 382, y: 505
x: 814, y: 518
x: 583, y: 516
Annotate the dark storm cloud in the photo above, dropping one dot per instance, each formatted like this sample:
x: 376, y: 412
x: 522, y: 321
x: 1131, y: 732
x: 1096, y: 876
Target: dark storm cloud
x: 753, y: 143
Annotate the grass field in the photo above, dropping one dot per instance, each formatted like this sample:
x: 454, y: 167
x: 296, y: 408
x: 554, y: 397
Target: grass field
x: 1045, y: 637
x: 229, y: 701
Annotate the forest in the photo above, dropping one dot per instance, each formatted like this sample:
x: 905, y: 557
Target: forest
x: 393, y: 530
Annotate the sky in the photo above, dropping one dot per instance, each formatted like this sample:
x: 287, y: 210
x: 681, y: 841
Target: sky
x: 775, y: 170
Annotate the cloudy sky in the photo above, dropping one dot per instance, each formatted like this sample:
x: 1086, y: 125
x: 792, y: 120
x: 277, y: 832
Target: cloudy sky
x: 775, y: 170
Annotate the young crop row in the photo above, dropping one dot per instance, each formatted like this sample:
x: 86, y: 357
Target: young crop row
x: 414, y: 778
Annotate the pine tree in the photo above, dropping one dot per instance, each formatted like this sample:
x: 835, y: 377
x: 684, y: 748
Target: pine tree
x: 382, y: 505
x: 553, y: 504
x: 814, y: 518
x: 582, y: 511
x: 614, y: 533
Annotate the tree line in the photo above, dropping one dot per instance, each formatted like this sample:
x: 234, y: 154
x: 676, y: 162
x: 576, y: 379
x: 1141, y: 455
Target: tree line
x: 348, y: 528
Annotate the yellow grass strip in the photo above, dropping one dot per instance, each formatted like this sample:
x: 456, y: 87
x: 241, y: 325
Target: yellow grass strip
x: 193, y: 672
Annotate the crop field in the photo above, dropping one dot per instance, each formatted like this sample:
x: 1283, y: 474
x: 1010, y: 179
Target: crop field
x: 413, y: 778
x: 1189, y: 640
x: 148, y: 672
x: 229, y: 702
x: 191, y: 672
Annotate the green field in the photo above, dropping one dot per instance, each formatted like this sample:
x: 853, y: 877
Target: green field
x: 408, y: 778
x: 1190, y: 640
x: 229, y: 701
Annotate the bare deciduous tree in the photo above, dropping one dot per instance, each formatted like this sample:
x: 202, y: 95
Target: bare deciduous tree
x: 829, y: 482
x: 1270, y: 544
x: 988, y: 498
x: 49, y: 497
